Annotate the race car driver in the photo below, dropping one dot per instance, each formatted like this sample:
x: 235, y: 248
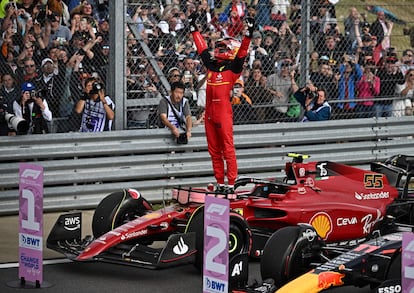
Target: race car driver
x: 223, y: 69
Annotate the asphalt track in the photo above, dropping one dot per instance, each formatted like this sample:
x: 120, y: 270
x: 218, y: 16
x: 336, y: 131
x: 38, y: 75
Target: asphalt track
x: 65, y: 277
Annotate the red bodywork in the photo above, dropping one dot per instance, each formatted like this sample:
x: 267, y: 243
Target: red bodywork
x: 340, y: 201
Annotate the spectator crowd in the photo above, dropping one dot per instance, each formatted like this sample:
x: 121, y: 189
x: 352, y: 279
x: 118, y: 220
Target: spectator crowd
x: 60, y: 45
x: 48, y: 50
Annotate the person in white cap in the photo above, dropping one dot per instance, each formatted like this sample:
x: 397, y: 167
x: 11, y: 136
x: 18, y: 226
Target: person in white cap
x: 52, y: 86
x: 164, y: 27
x: 165, y: 41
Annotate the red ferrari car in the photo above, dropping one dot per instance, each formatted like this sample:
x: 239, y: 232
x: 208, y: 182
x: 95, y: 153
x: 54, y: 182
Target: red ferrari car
x: 342, y: 203
x: 298, y: 250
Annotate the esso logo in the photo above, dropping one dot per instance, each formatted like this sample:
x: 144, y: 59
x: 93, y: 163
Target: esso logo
x: 390, y: 289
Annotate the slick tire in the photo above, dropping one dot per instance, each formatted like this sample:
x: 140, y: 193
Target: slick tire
x: 281, y: 259
x: 394, y: 270
x: 239, y: 235
x: 116, y: 209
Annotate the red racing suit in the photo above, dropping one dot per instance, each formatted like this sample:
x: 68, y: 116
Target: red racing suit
x: 218, y: 112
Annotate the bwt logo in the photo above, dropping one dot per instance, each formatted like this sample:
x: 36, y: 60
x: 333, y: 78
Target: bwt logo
x: 30, y: 241
x: 216, y: 209
x: 215, y: 285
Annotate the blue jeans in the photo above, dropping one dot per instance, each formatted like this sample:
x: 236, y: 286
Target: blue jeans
x: 382, y: 110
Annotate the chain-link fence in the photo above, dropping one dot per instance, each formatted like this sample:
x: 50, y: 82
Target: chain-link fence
x: 359, y: 52
x: 49, y: 49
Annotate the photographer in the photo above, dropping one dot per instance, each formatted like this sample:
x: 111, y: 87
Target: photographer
x: 313, y: 100
x: 33, y: 107
x: 97, y: 109
x: 174, y: 113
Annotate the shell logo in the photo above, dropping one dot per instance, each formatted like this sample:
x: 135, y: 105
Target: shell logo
x: 322, y: 223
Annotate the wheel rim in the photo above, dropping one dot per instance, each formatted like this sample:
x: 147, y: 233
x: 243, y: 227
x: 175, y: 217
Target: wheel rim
x: 233, y: 242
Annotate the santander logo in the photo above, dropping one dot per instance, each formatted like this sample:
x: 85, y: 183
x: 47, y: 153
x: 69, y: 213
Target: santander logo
x: 181, y: 248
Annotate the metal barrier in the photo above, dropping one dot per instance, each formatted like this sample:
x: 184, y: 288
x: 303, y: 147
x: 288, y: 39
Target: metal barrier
x: 81, y: 168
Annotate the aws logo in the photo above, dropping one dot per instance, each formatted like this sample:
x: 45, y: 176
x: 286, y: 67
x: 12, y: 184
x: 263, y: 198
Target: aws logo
x: 72, y: 223
x: 322, y: 223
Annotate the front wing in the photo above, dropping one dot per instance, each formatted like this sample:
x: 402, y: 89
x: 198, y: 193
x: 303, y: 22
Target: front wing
x: 66, y: 238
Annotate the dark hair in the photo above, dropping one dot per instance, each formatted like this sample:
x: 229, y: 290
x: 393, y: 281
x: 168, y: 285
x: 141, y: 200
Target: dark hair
x: 321, y: 89
x: 406, y: 51
x: 177, y: 84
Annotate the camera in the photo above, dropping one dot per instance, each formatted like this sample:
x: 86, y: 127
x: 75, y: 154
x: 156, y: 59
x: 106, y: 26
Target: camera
x: 310, y: 94
x: 187, y: 77
x: 96, y: 87
x: 40, y: 17
x: 182, y: 138
x: 20, y: 125
x: 25, y: 16
x: 37, y: 94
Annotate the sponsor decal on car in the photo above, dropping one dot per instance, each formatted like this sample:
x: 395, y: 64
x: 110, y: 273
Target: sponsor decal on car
x: 237, y: 269
x: 346, y: 221
x: 369, y: 222
x: 322, y: 223
x: 330, y: 279
x: 180, y: 248
x: 309, y: 234
x: 153, y: 215
x: 372, y: 195
x: 239, y: 211
x: 134, y: 234
x: 390, y: 289
x: 72, y: 223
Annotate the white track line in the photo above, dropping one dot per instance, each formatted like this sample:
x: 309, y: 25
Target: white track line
x: 45, y: 262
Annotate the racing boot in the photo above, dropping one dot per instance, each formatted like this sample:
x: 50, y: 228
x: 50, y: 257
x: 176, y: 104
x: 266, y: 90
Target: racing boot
x: 220, y: 188
x: 229, y: 189
x: 230, y: 194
